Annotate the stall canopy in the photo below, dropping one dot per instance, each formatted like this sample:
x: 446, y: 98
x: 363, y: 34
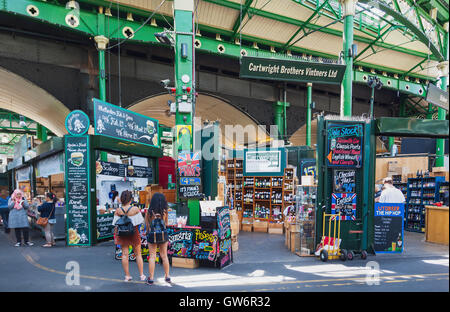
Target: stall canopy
x: 411, y: 127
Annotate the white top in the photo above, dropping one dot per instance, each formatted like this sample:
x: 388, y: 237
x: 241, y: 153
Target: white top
x: 136, y: 219
x: 392, y: 195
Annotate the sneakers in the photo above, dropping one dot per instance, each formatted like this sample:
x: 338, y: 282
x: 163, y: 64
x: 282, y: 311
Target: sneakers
x: 29, y: 244
x: 149, y: 281
x: 17, y: 244
x: 168, y: 280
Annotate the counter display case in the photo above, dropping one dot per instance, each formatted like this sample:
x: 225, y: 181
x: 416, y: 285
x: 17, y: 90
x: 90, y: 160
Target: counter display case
x: 305, y: 220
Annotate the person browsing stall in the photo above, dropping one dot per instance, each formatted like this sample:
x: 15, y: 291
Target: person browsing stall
x: 156, y: 219
x: 391, y: 194
x: 47, y: 210
x: 133, y: 213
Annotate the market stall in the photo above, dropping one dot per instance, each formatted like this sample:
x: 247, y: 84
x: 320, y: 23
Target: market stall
x: 120, y: 153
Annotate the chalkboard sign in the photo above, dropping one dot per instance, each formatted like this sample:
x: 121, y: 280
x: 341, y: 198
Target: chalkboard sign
x: 114, y: 121
x: 190, y: 191
x: 388, y: 227
x: 344, y: 181
x: 105, y: 229
x: 77, y: 190
x: 264, y: 162
x: 345, y: 145
x: 344, y: 203
x: 223, y: 222
x: 110, y: 169
x: 139, y: 172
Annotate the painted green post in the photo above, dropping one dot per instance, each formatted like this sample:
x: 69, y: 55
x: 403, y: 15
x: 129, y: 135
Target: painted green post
x: 346, y: 86
x: 184, y: 64
x: 308, y: 113
x: 391, y: 142
x: 443, y: 68
x: 41, y: 133
x: 430, y: 111
x: 279, y: 117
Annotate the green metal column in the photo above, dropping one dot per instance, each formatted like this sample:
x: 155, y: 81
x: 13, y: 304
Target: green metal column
x: 346, y: 87
x: 443, y: 67
x: 280, y: 117
x: 41, y: 133
x: 391, y: 142
x: 184, y: 65
x: 308, y: 113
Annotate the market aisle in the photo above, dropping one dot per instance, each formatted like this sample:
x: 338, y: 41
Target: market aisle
x: 263, y: 267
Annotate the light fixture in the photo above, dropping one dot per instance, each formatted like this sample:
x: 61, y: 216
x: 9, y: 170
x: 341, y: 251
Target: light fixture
x: 5, y: 139
x: 22, y: 122
x: 164, y: 38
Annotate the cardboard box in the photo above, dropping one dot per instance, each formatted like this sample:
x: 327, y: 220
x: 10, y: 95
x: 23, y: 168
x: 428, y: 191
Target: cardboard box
x: 439, y: 169
x: 247, y: 227
x: 234, y: 227
x: 294, y: 240
x: 185, y: 263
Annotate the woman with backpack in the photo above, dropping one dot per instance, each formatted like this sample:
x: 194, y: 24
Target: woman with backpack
x: 127, y: 220
x: 156, y: 219
x: 47, y: 210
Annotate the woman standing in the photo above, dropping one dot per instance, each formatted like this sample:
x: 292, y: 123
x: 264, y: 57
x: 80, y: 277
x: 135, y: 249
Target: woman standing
x: 18, y: 219
x: 47, y: 210
x: 135, y: 240
x: 157, y: 210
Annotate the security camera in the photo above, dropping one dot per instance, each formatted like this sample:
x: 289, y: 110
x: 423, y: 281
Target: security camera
x: 165, y: 83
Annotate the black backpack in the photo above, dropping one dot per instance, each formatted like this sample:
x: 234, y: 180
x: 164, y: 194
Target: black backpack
x: 124, y: 225
x: 158, y: 231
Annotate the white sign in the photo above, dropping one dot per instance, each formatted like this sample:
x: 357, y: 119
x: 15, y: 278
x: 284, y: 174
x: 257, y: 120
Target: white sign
x: 23, y: 174
x: 50, y: 166
x: 263, y: 161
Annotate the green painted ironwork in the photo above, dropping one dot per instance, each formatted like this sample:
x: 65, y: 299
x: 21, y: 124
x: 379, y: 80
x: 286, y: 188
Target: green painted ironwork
x: 308, y: 113
x: 347, y: 83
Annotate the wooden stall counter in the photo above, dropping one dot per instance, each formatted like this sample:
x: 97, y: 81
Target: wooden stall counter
x: 436, y: 229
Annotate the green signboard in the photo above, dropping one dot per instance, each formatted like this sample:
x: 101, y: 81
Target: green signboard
x: 77, y: 191
x: 264, y: 162
x: 291, y: 70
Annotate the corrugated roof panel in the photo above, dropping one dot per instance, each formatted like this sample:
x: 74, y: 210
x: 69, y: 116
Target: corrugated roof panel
x: 269, y: 29
x: 216, y: 16
x: 148, y: 5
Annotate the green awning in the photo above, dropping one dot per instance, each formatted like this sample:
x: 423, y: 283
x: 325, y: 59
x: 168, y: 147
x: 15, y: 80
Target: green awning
x: 411, y: 127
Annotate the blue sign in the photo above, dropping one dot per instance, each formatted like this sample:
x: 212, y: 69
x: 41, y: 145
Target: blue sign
x: 388, y: 227
x: 190, y: 181
x: 77, y: 123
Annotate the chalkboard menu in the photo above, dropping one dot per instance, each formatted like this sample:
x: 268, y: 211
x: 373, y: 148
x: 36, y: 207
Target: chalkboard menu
x: 345, y: 204
x: 139, y: 172
x: 117, y: 122
x: 223, y: 222
x: 77, y: 190
x: 345, y: 145
x: 264, y: 162
x: 105, y: 229
x: 190, y: 191
x: 110, y: 169
x: 388, y: 227
x: 344, y: 181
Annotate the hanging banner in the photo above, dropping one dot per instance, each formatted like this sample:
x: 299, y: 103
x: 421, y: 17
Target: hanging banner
x: 345, y: 145
x: 50, y: 166
x: 290, y: 70
x: 344, y: 181
x: 77, y: 190
x: 437, y: 97
x: 116, y: 122
x: 23, y: 174
x: 183, y: 137
x: 189, y: 164
x: 388, y: 227
x: 345, y: 203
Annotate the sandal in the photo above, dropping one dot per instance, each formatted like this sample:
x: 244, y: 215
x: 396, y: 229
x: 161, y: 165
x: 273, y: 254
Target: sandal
x: 47, y: 245
x: 143, y: 277
x: 128, y: 278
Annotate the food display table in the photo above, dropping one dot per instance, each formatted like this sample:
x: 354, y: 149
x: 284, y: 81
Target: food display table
x: 436, y: 229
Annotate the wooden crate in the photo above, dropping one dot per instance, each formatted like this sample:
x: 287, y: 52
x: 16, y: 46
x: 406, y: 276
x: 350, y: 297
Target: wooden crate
x: 185, y: 263
x: 276, y: 231
x: 294, y: 240
x: 247, y: 227
x: 260, y: 226
x: 437, y: 225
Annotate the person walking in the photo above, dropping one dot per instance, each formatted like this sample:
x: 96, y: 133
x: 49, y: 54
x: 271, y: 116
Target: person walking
x: 47, y: 210
x: 4, y: 210
x: 18, y: 219
x: 134, y: 240
x: 157, y: 217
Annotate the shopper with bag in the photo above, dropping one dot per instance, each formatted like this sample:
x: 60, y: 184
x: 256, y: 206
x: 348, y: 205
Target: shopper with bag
x: 47, y: 218
x: 156, y: 219
x: 18, y: 219
x: 126, y: 221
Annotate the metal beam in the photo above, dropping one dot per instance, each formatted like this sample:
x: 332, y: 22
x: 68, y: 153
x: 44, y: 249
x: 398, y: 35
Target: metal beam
x: 375, y: 41
x: 241, y: 17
